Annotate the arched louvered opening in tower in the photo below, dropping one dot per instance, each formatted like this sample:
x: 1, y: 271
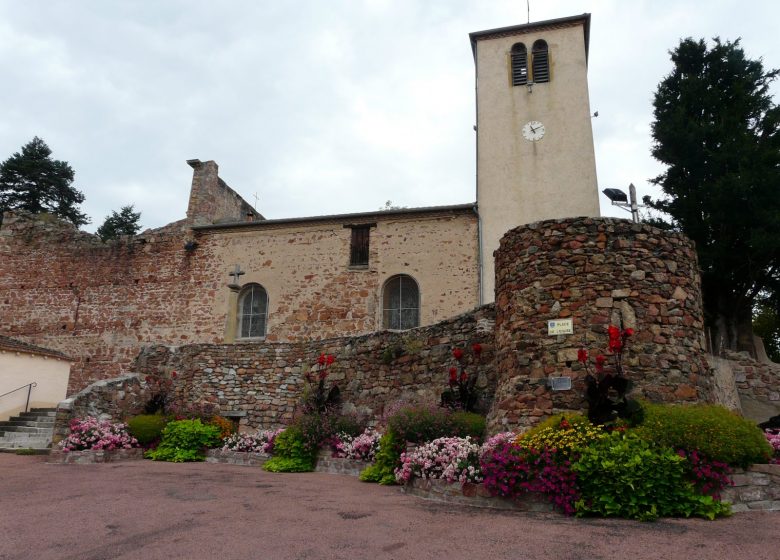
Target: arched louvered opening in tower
x: 519, y: 58
x: 541, y: 62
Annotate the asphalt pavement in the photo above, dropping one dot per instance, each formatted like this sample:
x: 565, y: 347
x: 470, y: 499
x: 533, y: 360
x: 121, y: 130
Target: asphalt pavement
x: 148, y: 510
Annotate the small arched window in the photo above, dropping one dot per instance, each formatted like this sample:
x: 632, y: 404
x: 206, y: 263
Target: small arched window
x: 401, y: 303
x: 541, y: 62
x: 519, y: 58
x: 252, y: 311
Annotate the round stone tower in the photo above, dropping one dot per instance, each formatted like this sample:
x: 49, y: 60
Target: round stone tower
x: 596, y: 272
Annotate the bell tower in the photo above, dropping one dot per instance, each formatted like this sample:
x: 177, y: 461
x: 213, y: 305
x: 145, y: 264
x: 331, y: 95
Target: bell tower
x: 535, y: 157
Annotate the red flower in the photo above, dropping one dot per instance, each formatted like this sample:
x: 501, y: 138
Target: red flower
x: 330, y: 359
x: 173, y: 375
x: 321, y: 359
x: 565, y: 423
x: 476, y: 348
x: 458, y: 354
x: 463, y: 376
x: 600, y: 360
x: 628, y: 332
x: 453, y: 374
x: 615, y: 340
x: 582, y: 355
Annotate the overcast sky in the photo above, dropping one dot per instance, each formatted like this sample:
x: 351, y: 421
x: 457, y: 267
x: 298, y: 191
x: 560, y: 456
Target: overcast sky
x: 317, y: 107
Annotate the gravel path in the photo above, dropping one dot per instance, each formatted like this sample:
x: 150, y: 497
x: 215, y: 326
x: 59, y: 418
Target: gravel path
x: 146, y: 510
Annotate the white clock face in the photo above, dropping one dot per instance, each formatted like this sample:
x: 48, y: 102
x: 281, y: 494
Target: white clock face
x: 533, y: 131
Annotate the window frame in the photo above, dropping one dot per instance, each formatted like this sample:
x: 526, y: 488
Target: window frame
x: 240, y: 315
x: 518, y: 61
x: 356, y: 230
x: 540, y: 51
x: 385, y: 300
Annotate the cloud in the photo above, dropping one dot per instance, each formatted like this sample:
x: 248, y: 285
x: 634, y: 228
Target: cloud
x: 317, y: 107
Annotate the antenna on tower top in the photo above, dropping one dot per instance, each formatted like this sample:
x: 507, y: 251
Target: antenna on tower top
x: 528, y: 9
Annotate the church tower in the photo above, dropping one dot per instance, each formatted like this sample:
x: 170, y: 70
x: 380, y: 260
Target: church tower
x: 535, y: 158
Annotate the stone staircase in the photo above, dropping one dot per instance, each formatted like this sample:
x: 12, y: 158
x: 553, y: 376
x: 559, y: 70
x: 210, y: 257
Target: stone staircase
x: 29, y: 430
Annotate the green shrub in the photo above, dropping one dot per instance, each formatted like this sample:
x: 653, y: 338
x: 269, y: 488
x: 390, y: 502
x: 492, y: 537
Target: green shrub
x: 292, y: 452
x: 717, y: 433
x: 624, y: 476
x: 226, y: 427
x: 349, y: 424
x: 387, y: 459
x: 27, y: 451
x: 313, y: 428
x: 185, y: 440
x: 465, y: 424
x: 147, y: 428
x: 566, y: 435
x: 555, y: 420
x: 420, y: 424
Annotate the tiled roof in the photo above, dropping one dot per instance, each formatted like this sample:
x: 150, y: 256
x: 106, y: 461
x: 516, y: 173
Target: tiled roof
x: 13, y: 345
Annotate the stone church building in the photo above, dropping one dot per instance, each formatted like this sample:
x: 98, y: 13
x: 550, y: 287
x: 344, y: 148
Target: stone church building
x: 225, y: 274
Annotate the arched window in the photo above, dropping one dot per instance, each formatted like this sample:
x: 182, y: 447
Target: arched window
x: 519, y: 64
x: 541, y: 62
x: 401, y: 303
x: 252, y: 311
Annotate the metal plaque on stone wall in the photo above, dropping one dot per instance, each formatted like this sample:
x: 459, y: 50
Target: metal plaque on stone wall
x: 560, y: 326
x: 560, y: 383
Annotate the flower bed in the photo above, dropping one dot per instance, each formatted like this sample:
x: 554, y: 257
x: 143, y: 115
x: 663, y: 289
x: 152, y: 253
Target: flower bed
x: 91, y: 456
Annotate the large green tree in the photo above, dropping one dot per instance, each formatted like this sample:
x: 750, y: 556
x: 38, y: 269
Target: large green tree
x: 31, y: 180
x: 124, y: 222
x: 717, y: 130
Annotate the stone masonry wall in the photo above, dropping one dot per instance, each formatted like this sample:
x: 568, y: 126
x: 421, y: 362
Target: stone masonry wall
x: 756, y: 488
x: 314, y: 293
x: 95, y: 302
x: 759, y: 381
x: 596, y: 271
x: 265, y: 380
x: 109, y: 399
x: 211, y: 200
x: 100, y: 303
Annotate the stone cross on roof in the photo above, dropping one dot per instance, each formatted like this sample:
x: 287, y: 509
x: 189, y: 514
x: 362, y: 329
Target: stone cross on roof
x: 236, y: 274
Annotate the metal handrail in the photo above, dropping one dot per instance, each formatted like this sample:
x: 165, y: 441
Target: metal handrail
x: 29, y: 390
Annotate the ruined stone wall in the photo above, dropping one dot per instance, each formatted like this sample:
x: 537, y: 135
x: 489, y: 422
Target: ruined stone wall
x: 760, y: 381
x: 101, y: 302
x: 95, y: 302
x: 265, y: 380
x: 597, y: 271
x: 114, y: 399
x: 758, y: 384
x: 212, y: 200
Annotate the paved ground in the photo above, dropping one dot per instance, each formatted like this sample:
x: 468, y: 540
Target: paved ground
x: 146, y: 510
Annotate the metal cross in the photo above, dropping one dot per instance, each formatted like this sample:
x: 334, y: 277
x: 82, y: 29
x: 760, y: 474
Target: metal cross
x: 257, y: 199
x: 236, y: 274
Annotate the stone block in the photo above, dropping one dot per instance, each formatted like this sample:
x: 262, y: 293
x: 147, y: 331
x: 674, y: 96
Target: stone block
x: 604, y: 302
x: 765, y: 505
x: 751, y: 494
